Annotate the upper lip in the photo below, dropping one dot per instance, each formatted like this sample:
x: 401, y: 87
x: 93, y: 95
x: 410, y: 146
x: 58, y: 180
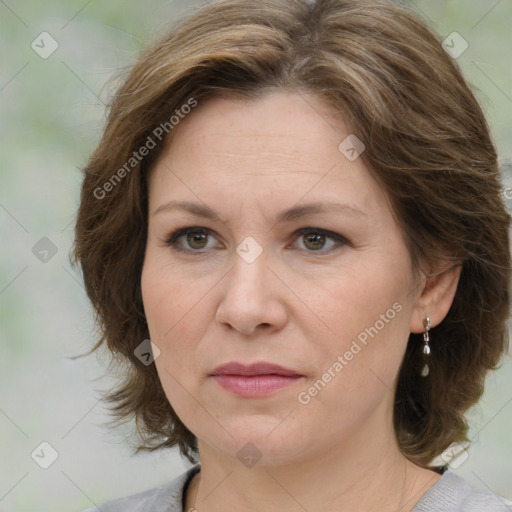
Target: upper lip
x: 261, y: 368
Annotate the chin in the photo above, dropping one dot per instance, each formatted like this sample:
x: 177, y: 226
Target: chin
x: 260, y: 440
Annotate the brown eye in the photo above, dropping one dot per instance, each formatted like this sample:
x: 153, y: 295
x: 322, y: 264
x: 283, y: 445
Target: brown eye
x: 197, y: 240
x: 314, y: 241
x: 190, y: 239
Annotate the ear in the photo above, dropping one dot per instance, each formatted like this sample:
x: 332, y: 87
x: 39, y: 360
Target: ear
x: 435, y: 296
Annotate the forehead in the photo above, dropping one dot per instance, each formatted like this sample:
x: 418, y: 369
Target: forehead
x: 276, y: 149
x: 280, y: 122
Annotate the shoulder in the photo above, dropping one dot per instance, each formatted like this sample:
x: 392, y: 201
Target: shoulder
x: 453, y: 494
x: 166, y: 498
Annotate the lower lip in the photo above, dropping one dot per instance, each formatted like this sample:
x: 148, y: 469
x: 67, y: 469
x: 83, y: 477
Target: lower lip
x: 257, y: 385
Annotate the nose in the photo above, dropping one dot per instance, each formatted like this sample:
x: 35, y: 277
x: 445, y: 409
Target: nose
x: 252, y: 298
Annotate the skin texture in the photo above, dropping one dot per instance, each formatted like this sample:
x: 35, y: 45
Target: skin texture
x: 293, y: 305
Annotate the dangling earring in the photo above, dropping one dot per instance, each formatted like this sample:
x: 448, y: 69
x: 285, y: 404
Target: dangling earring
x: 426, y: 348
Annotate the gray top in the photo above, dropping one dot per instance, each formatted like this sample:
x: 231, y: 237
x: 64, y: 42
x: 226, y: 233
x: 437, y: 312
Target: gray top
x: 449, y: 494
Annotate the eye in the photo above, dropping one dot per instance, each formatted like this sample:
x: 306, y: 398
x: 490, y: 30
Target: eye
x: 195, y: 238
x: 314, y: 239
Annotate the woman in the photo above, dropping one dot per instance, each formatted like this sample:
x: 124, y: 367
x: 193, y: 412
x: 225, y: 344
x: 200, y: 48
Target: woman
x: 298, y: 203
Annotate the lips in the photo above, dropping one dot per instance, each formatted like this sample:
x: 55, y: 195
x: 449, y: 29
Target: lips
x: 262, y: 368
x: 255, y: 380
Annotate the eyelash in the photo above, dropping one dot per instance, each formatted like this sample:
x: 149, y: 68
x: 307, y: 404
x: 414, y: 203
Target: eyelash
x: 172, y: 239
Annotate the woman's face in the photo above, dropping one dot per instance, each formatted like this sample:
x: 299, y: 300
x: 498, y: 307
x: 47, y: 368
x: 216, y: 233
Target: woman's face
x: 333, y: 303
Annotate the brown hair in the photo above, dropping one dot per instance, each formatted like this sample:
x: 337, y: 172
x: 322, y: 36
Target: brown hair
x: 427, y: 143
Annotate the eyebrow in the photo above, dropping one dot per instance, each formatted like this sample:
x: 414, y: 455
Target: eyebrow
x: 284, y: 216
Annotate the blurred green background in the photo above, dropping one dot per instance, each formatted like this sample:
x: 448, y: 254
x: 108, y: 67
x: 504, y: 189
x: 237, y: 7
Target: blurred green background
x: 52, y: 110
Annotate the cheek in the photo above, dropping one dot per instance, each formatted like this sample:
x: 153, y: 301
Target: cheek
x: 358, y: 364
x: 170, y: 306
x: 177, y: 311
x: 170, y: 300
x: 365, y: 311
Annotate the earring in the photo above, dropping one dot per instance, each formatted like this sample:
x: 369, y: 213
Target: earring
x: 426, y: 347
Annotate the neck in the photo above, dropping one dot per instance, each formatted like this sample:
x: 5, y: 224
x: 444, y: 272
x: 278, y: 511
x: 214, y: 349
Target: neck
x: 366, y: 472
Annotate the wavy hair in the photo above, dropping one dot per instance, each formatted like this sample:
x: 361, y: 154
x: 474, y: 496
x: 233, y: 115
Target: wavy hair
x: 384, y: 70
